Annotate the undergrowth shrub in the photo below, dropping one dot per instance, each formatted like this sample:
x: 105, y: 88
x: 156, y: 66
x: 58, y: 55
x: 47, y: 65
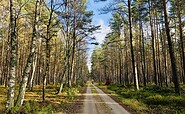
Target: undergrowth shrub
x: 165, y: 100
x: 72, y: 92
x: 47, y: 110
x: 28, y: 107
x: 159, y: 90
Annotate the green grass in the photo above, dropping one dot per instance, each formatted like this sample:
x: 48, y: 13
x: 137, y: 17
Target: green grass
x: 93, y: 90
x: 152, y: 99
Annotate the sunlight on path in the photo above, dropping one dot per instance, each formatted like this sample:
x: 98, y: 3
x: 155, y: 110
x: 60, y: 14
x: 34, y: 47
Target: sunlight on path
x: 100, y: 103
x: 89, y: 105
x: 116, y: 108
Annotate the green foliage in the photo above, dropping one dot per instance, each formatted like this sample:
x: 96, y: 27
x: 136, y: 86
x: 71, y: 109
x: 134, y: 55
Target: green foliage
x: 159, y: 90
x: 93, y: 90
x: 72, y: 92
x: 33, y: 107
x: 129, y: 97
x: 80, y: 82
x: 113, y: 87
x: 165, y: 100
x: 27, y: 108
x: 30, y: 107
x: 47, y: 110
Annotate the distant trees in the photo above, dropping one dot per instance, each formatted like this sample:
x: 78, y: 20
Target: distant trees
x: 43, y: 42
x: 153, y: 37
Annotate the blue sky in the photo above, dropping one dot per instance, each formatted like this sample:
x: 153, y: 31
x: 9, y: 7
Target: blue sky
x: 95, y: 6
x: 98, y: 19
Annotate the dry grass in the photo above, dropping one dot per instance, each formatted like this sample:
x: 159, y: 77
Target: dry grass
x: 3, y: 98
x: 33, y: 103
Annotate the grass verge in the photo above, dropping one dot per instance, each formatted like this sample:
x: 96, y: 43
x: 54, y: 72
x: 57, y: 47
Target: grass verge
x: 93, y: 90
x: 152, y: 99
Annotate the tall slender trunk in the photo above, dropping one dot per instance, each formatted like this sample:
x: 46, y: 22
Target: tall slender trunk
x: 55, y: 64
x: 39, y: 61
x: 120, y: 66
x: 13, y: 57
x: 160, y: 79
x: 7, y: 65
x: 126, y: 66
x: 63, y: 76
x: 142, y: 49
x: 29, y: 64
x: 46, y: 77
x: 181, y: 38
x: 131, y: 48
x: 67, y: 44
x: 163, y: 44
x: 137, y: 58
x: 153, y: 42
x: 74, y: 41
x: 62, y: 81
x: 77, y: 64
x: 2, y: 63
x: 31, y: 82
x: 171, y: 51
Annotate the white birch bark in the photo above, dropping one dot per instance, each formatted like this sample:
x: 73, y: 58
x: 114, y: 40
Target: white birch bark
x: 11, y: 78
x: 29, y: 63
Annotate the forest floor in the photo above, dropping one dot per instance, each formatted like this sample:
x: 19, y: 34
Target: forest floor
x: 79, y: 100
x: 89, y: 99
x: 148, y: 100
x: 65, y: 103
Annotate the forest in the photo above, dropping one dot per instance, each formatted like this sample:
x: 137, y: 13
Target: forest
x: 44, y: 57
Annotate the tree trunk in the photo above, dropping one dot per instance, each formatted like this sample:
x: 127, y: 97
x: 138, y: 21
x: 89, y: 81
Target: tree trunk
x: 13, y: 57
x: 153, y: 42
x: 143, y: 60
x: 171, y: 51
x: 29, y: 64
x: 2, y: 62
x: 46, y: 77
x: 64, y: 73
x: 73, y: 42
x: 181, y: 38
x: 131, y: 48
x: 62, y: 83
x: 160, y: 79
x: 33, y: 74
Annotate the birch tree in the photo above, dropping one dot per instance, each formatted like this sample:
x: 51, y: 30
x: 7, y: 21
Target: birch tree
x: 11, y: 79
x: 29, y: 63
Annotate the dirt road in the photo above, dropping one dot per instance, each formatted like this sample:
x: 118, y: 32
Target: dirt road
x: 100, y: 103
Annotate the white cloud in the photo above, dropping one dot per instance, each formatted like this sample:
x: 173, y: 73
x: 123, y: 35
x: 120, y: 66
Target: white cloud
x: 100, y: 34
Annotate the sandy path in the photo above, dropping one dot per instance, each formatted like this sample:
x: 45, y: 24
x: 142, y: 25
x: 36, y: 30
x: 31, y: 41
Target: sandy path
x: 89, y: 105
x: 101, y: 103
